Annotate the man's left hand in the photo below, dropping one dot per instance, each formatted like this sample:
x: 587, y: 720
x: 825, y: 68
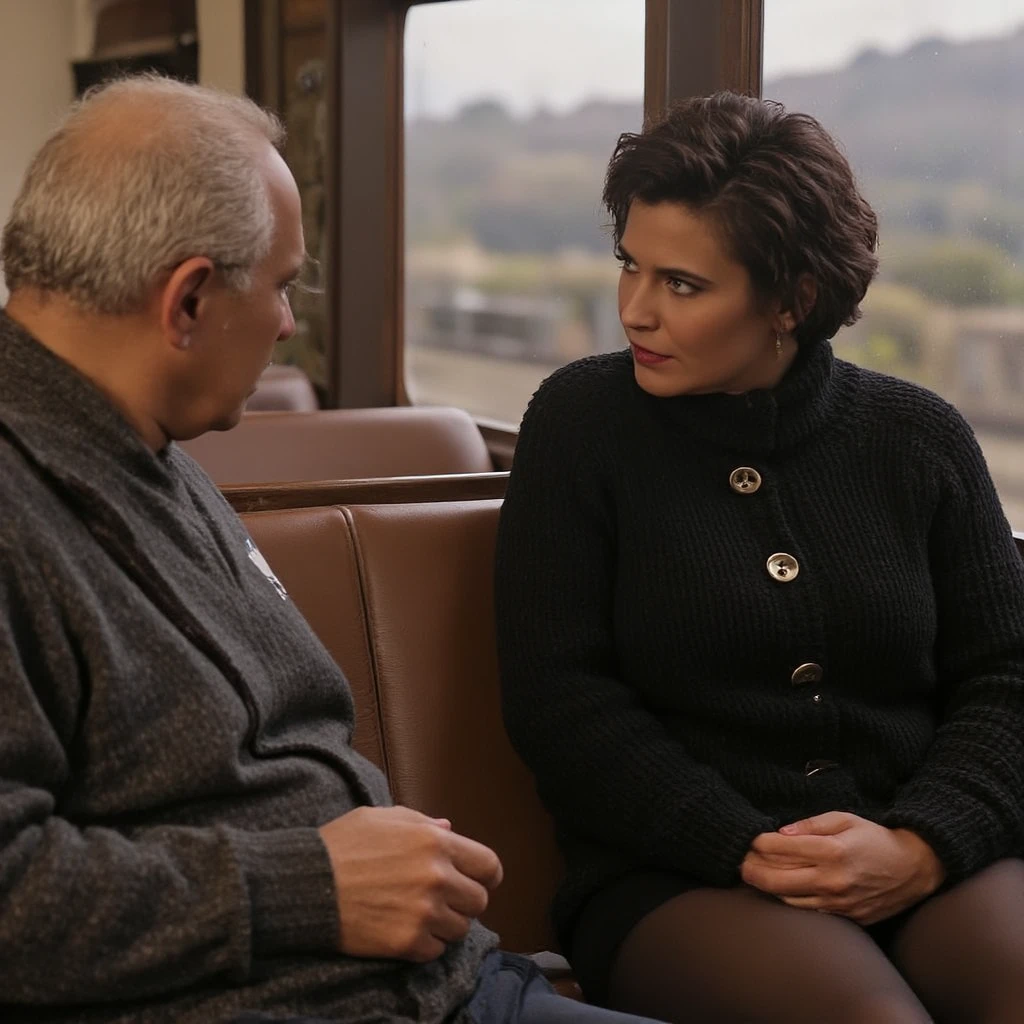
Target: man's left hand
x: 839, y: 863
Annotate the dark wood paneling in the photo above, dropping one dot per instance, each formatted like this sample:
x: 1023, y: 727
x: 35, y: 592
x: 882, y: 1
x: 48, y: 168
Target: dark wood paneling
x: 740, y: 37
x: 655, y: 58
x: 365, y: 242
x: 304, y: 14
x: 263, y: 53
x: 130, y: 21
x: 286, y: 51
x: 713, y: 45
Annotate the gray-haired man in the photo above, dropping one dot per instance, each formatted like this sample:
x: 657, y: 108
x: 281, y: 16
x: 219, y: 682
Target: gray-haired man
x: 185, y: 832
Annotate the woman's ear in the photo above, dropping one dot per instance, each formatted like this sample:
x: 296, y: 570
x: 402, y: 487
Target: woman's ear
x: 805, y: 296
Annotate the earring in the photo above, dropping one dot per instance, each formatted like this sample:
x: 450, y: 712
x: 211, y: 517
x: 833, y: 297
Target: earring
x: 184, y: 341
x: 778, y: 344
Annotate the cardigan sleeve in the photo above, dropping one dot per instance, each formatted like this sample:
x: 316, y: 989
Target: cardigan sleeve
x: 967, y: 797
x: 123, y: 912
x: 605, y: 767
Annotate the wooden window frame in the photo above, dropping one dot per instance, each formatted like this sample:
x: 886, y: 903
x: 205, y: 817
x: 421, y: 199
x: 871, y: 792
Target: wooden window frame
x: 692, y: 47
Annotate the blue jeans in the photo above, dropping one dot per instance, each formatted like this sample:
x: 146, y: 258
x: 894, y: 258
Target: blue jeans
x: 511, y: 990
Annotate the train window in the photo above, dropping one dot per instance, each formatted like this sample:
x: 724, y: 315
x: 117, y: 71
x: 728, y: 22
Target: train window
x: 926, y: 100
x: 512, y: 108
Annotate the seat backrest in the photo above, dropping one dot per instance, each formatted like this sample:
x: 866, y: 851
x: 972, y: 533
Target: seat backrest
x: 342, y: 444
x: 427, y: 580
x: 312, y: 552
x: 401, y: 595
x: 283, y: 387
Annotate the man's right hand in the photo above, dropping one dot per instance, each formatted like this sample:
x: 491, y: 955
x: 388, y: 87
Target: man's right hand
x: 406, y: 884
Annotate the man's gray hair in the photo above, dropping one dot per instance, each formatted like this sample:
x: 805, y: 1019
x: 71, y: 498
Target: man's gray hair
x: 144, y: 173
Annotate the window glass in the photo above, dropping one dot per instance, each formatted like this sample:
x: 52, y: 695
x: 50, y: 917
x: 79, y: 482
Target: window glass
x: 512, y: 108
x: 927, y: 99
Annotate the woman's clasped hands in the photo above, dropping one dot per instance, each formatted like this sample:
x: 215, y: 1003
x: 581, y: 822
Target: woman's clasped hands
x: 839, y: 863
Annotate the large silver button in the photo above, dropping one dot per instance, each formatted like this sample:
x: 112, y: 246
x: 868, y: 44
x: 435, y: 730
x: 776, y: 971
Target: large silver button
x: 808, y: 672
x: 816, y: 767
x: 782, y: 567
x: 744, y: 480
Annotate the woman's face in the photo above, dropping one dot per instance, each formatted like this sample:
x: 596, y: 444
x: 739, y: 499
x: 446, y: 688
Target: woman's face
x: 689, y: 310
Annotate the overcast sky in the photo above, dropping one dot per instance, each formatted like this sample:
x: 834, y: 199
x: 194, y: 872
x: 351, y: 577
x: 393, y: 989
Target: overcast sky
x: 515, y: 50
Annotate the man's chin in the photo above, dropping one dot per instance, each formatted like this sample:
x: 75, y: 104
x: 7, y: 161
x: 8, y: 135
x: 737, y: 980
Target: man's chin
x: 232, y: 419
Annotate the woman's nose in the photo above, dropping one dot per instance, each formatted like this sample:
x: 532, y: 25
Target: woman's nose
x: 637, y: 309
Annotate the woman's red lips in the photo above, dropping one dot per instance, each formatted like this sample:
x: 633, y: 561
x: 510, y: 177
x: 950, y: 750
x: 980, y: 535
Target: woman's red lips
x: 645, y: 356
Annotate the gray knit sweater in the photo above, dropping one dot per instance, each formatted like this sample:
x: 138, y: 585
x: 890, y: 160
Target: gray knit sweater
x: 171, y: 736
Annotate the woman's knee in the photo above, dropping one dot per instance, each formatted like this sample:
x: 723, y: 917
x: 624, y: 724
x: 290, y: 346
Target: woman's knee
x: 724, y: 955
x: 963, y: 950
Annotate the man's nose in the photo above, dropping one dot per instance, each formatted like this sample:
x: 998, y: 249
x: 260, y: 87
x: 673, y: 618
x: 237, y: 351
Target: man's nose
x: 287, y: 325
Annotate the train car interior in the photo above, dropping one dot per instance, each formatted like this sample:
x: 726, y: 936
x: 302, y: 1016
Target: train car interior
x: 450, y: 157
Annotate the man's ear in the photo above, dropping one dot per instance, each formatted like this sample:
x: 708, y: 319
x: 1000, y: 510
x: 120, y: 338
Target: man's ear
x: 182, y: 298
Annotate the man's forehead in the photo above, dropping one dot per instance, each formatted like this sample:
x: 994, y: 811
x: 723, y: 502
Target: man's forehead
x: 303, y: 265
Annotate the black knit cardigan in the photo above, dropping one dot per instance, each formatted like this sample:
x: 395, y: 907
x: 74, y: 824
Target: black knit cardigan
x: 676, y: 694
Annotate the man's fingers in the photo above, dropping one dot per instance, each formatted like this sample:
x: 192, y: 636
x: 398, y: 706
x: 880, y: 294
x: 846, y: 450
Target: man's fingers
x: 449, y: 926
x: 475, y: 860
x: 425, y: 949
x: 466, y: 896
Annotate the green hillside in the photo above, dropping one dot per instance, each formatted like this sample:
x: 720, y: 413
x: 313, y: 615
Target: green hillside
x: 936, y: 134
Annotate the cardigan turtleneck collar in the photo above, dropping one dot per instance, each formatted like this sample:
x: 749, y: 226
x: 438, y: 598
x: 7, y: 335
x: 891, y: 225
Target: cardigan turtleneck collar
x: 765, y: 422
x: 61, y: 418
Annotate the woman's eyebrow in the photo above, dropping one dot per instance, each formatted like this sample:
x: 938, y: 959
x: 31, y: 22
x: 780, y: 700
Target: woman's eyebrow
x: 669, y: 271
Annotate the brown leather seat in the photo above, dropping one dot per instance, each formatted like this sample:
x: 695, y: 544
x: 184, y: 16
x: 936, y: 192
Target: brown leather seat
x: 427, y: 577
x: 402, y: 596
x: 283, y: 387
x: 343, y: 444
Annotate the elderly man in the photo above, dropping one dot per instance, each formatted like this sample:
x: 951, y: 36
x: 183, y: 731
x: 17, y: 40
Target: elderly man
x: 186, y: 834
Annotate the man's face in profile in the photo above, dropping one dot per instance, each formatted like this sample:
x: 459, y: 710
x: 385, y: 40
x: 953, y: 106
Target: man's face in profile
x: 237, y: 331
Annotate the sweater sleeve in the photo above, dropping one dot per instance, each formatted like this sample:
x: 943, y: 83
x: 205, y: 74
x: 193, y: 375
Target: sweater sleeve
x: 967, y: 798
x: 129, y: 913
x: 605, y: 767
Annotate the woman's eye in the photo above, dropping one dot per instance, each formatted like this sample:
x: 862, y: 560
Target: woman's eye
x: 679, y: 286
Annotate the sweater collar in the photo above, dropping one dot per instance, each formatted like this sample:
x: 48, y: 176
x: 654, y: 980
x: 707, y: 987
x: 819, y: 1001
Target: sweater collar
x: 763, y: 422
x: 62, y: 420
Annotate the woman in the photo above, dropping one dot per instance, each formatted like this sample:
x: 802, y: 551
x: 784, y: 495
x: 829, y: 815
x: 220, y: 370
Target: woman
x: 761, y: 619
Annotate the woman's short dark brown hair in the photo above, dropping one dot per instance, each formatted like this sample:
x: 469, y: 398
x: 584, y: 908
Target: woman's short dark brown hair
x: 775, y: 184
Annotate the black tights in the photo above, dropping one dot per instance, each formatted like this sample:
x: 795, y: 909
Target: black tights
x: 734, y: 956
